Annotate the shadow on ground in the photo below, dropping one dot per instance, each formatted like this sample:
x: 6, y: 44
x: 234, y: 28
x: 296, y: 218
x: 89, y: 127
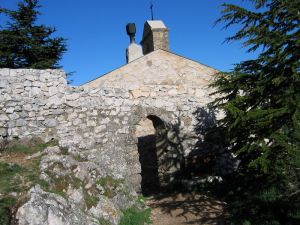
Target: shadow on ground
x: 186, y: 208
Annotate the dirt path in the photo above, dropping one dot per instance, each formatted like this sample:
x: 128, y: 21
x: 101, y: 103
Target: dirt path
x: 179, y: 209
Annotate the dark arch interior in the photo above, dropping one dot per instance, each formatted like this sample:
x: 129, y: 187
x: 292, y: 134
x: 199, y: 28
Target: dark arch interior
x: 148, y: 156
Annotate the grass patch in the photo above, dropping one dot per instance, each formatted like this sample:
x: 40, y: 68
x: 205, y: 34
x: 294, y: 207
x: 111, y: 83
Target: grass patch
x: 14, y: 178
x: 135, y: 216
x: 90, y: 199
x: 5, y: 210
x: 8, y: 173
x: 17, y: 174
x: 26, y: 146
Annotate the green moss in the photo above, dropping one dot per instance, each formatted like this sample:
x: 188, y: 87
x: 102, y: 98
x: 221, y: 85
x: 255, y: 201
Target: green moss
x: 135, y: 216
x: 109, y: 185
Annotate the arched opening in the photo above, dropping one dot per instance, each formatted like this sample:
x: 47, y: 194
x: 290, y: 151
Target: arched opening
x: 151, y: 133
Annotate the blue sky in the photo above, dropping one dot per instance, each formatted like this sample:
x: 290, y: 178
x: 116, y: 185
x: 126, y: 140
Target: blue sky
x: 97, y: 38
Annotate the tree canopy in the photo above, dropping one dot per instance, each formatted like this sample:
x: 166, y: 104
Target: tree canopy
x: 23, y: 44
x: 261, y: 102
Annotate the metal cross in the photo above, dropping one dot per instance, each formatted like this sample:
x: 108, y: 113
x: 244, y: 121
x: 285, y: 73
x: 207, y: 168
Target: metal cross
x: 151, y: 7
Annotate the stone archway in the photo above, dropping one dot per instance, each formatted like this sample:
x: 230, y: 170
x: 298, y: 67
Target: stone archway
x: 151, y: 133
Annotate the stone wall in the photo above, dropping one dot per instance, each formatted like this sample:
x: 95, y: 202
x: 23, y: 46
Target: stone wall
x: 92, y: 123
x: 98, y: 123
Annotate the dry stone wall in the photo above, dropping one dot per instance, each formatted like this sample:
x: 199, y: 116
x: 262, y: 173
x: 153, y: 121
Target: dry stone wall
x: 96, y: 123
x: 39, y: 103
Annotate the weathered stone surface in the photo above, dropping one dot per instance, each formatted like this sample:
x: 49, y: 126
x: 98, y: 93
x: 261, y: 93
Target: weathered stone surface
x: 3, y: 132
x: 107, y: 210
x: 4, y: 117
x: 35, y: 91
x: 76, y: 196
x: 53, y: 90
x: 20, y: 122
x: 139, y: 93
x: 3, y: 83
x: 50, y: 122
x: 167, y: 70
x: 73, y: 97
x: 44, y: 208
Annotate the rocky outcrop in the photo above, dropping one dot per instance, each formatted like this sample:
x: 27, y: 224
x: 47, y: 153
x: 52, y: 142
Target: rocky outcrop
x: 73, y: 191
x: 51, y: 209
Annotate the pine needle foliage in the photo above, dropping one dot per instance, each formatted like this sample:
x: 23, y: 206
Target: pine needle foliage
x: 261, y: 102
x: 23, y: 44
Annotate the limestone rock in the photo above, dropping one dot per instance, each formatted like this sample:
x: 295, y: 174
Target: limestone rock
x: 3, y: 117
x: 3, y: 132
x: 50, y: 122
x: 44, y: 208
x: 106, y: 209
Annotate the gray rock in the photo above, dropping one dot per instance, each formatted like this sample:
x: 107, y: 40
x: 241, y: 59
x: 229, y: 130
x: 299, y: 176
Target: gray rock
x: 35, y: 91
x: 58, y: 111
x: 55, y: 100
x: 3, y: 132
x: 20, y: 122
x: 76, y: 197
x: 72, y: 97
x: 53, y: 91
x: 30, y: 77
x: 50, y: 123
x: 3, y: 117
x: 107, y: 210
x: 5, y: 72
x: 10, y: 110
x: 3, y: 83
x: 27, y: 83
x: 44, y: 208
